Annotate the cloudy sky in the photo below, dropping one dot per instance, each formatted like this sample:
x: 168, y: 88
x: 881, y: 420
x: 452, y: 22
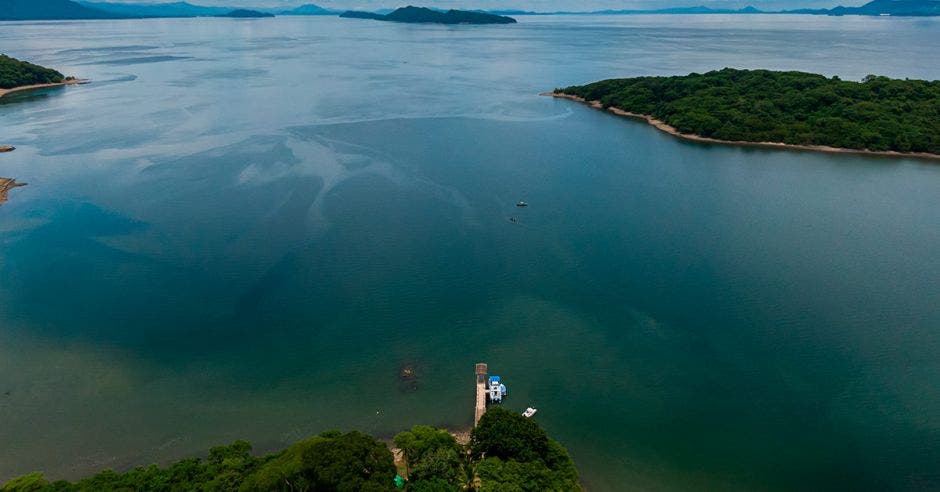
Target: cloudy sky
x: 537, y: 5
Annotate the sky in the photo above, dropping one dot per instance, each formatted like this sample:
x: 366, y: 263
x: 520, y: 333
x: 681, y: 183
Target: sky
x: 534, y: 5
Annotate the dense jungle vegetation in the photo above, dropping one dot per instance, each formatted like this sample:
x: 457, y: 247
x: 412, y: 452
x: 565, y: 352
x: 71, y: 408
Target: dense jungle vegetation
x: 800, y: 108
x: 16, y: 73
x: 507, y: 453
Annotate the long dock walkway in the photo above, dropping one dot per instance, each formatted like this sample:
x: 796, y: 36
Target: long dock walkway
x: 480, y: 408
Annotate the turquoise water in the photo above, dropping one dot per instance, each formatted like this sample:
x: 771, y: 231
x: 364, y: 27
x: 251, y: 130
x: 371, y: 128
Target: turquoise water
x: 243, y: 229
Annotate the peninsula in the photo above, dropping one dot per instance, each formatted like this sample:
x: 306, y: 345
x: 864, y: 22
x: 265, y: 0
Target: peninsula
x: 878, y: 115
x: 16, y: 75
x: 422, y: 15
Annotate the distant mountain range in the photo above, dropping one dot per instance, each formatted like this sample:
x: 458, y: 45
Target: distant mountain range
x: 880, y: 7
x: 49, y: 10
x: 876, y: 7
x: 12, y: 10
x: 700, y: 9
x: 175, y: 9
x: 185, y: 9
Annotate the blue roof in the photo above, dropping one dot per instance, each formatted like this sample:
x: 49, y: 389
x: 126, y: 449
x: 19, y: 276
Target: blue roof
x: 494, y: 379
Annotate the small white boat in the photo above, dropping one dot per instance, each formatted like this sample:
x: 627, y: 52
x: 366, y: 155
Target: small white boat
x: 529, y: 412
x: 522, y: 204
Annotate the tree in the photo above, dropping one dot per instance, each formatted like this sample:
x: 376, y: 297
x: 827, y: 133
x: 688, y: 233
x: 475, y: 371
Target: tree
x: 285, y: 470
x: 433, y: 458
x: 508, y: 436
x: 434, y: 485
x: 27, y: 483
x: 349, y: 462
x: 517, y: 455
x: 512, y: 476
x: 441, y: 464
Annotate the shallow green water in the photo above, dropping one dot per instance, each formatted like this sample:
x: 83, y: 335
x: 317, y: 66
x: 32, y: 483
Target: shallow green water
x: 242, y: 229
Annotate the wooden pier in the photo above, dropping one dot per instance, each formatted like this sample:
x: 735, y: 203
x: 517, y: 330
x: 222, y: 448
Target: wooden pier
x: 480, y: 408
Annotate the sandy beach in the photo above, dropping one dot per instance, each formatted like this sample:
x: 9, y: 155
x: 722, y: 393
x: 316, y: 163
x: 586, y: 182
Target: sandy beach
x: 4, y: 92
x: 7, y: 184
x: 663, y: 126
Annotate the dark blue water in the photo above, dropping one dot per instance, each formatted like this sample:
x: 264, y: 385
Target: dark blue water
x: 243, y: 229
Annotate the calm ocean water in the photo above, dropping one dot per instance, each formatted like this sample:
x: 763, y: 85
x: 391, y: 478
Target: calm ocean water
x: 243, y: 229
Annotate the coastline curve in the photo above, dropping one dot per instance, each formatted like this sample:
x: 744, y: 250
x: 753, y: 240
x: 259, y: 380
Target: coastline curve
x: 665, y: 127
x: 24, y: 88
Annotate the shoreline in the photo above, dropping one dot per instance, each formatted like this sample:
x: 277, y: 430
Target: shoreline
x: 23, y: 88
x: 7, y: 184
x: 665, y: 127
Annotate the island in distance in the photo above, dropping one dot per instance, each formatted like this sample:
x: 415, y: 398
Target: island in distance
x: 423, y: 15
x: 245, y: 14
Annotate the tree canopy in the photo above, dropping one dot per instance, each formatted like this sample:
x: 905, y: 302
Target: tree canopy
x: 332, y: 461
x: 435, y: 461
x: 349, y: 463
x: 16, y: 73
x: 508, y: 453
x: 878, y: 113
x: 517, y: 455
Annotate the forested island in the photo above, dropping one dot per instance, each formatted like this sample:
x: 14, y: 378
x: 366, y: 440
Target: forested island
x: 422, y: 15
x: 766, y: 107
x: 506, y: 452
